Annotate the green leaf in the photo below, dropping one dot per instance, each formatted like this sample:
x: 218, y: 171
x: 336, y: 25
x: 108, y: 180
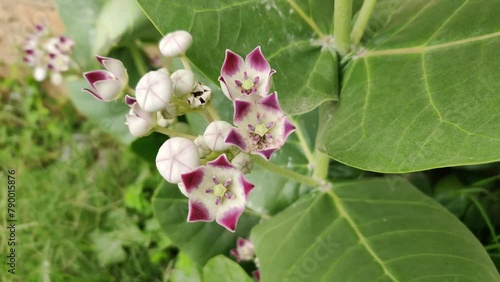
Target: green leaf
x: 223, y: 269
x: 369, y: 230
x: 423, y: 92
x: 199, y: 240
x: 305, y: 78
x: 185, y: 270
x: 96, y: 25
x: 110, y: 117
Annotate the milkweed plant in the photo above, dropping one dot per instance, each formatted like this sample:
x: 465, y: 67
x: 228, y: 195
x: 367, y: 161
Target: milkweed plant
x: 258, y: 102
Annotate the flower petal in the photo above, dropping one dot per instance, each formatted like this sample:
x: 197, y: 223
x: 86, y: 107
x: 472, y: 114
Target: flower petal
x: 241, y: 109
x: 221, y: 162
x: 266, y: 153
x: 198, y: 211
x: 92, y: 93
x: 235, y: 138
x: 138, y: 126
x: 289, y: 128
x: 258, y: 62
x: 108, y: 89
x: 247, y: 186
x: 270, y: 102
x: 215, y: 134
x: 225, y: 88
x: 193, y: 179
x: 233, y: 64
x: 229, y: 218
x: 94, y: 76
x: 129, y: 100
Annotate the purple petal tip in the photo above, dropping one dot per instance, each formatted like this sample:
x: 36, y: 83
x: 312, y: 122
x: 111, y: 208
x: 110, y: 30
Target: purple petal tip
x: 192, y: 179
x: 266, y: 153
x: 232, y: 63
x: 230, y: 218
x: 247, y: 187
x: 241, y: 109
x: 271, y: 102
x: 221, y: 162
x: 198, y: 212
x: 257, y: 60
x: 289, y: 128
x: 236, y: 139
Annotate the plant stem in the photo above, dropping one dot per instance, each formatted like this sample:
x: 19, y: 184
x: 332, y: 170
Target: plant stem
x: 320, y: 165
x: 173, y: 133
x: 362, y: 21
x: 185, y: 62
x: 138, y: 61
x: 212, y: 111
x: 253, y: 212
x: 130, y: 90
x: 308, y: 20
x: 304, y: 179
x: 342, y: 27
x: 303, y: 143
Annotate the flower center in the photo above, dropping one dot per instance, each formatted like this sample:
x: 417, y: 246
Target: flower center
x: 248, y: 86
x: 259, y: 133
x: 220, y: 190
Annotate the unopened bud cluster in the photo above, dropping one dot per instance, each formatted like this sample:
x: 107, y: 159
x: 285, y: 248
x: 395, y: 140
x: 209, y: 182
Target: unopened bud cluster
x: 208, y: 169
x: 47, y: 54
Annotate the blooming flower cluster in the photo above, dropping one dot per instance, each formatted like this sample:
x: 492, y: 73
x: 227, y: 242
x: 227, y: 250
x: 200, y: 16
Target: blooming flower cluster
x: 48, y: 54
x: 208, y: 169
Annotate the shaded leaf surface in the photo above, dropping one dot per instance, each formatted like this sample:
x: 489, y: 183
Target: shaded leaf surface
x: 221, y: 269
x: 384, y: 229
x: 305, y: 78
x: 423, y: 92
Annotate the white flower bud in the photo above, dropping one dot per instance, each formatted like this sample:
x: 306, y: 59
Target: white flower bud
x: 40, y: 73
x: 243, y: 162
x: 154, y: 91
x: 202, y: 146
x: 140, y: 122
x: 177, y: 156
x: 215, y: 135
x: 183, y: 81
x: 175, y: 43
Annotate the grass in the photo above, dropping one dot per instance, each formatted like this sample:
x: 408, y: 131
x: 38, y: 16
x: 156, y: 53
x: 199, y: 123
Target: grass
x: 69, y: 176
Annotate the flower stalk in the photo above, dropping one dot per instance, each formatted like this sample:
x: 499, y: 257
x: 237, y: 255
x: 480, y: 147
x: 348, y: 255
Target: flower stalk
x: 173, y: 133
x: 342, y: 26
x: 304, y: 179
x: 362, y: 21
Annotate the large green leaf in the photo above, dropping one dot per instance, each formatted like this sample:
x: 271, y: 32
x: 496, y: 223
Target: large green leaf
x: 95, y: 25
x: 423, y: 92
x: 305, y: 78
x: 369, y: 230
x: 199, y: 240
x: 223, y: 269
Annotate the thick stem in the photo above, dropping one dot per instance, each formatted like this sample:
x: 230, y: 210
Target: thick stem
x: 320, y: 165
x: 185, y: 62
x: 342, y: 27
x: 362, y: 21
x: 173, y: 133
x: 212, y: 111
x: 303, y: 142
x: 138, y: 61
x: 304, y: 179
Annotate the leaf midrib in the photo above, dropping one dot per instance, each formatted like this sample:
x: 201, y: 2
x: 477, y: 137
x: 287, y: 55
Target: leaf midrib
x: 362, y: 239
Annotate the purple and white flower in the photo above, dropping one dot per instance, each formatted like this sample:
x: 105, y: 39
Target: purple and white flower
x: 246, y: 79
x: 244, y: 250
x: 110, y: 84
x: 262, y: 126
x: 217, y: 191
x: 139, y: 122
x: 177, y: 156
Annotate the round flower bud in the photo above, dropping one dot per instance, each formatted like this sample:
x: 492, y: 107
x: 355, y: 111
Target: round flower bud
x: 139, y: 122
x: 177, y: 156
x: 175, y: 43
x: 182, y: 188
x: 215, y: 135
x: 183, y: 81
x: 154, y: 91
x: 202, y: 146
x: 243, y: 162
